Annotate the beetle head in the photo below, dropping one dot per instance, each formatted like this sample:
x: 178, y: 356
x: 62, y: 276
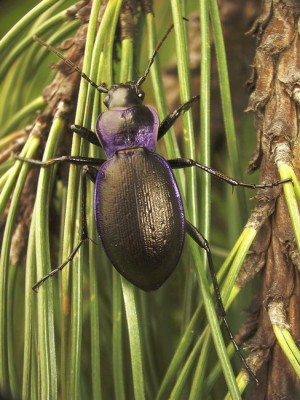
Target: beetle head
x: 123, y: 96
x: 129, y: 94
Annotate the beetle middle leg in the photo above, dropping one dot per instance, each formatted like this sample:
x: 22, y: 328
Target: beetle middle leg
x: 91, y: 172
x: 186, y: 163
x: 202, y: 242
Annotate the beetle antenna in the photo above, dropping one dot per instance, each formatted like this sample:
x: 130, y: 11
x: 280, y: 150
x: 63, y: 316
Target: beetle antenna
x: 142, y: 78
x: 101, y: 88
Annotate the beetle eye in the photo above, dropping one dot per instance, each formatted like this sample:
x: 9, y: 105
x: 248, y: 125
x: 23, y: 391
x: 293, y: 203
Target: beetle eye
x: 140, y: 94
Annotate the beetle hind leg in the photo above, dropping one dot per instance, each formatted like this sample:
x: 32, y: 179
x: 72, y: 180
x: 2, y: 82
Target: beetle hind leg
x: 91, y: 173
x: 202, y: 242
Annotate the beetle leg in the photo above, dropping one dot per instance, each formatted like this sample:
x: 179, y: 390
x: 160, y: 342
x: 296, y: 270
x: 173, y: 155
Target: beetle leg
x: 91, y: 173
x: 202, y: 242
x: 186, y: 163
x: 64, y: 159
x: 85, y: 133
x: 171, y: 118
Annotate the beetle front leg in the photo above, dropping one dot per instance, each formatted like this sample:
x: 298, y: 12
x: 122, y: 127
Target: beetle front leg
x: 85, y: 133
x: 171, y: 118
x: 91, y: 173
x: 203, y: 243
x: 186, y: 163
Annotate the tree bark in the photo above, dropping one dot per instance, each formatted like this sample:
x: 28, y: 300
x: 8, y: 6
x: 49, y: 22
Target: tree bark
x: 275, y: 103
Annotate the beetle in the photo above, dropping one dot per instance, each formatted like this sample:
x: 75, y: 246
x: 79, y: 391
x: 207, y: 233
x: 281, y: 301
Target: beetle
x: 138, y: 208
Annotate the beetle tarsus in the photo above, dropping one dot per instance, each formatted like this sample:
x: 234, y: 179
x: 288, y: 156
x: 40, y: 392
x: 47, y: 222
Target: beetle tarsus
x: 60, y: 267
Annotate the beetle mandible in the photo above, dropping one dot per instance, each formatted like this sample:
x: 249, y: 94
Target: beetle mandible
x: 137, y: 204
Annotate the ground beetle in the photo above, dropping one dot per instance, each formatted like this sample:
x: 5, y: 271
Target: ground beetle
x: 137, y: 204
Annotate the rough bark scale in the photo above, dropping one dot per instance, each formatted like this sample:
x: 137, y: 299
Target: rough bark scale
x: 275, y: 84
